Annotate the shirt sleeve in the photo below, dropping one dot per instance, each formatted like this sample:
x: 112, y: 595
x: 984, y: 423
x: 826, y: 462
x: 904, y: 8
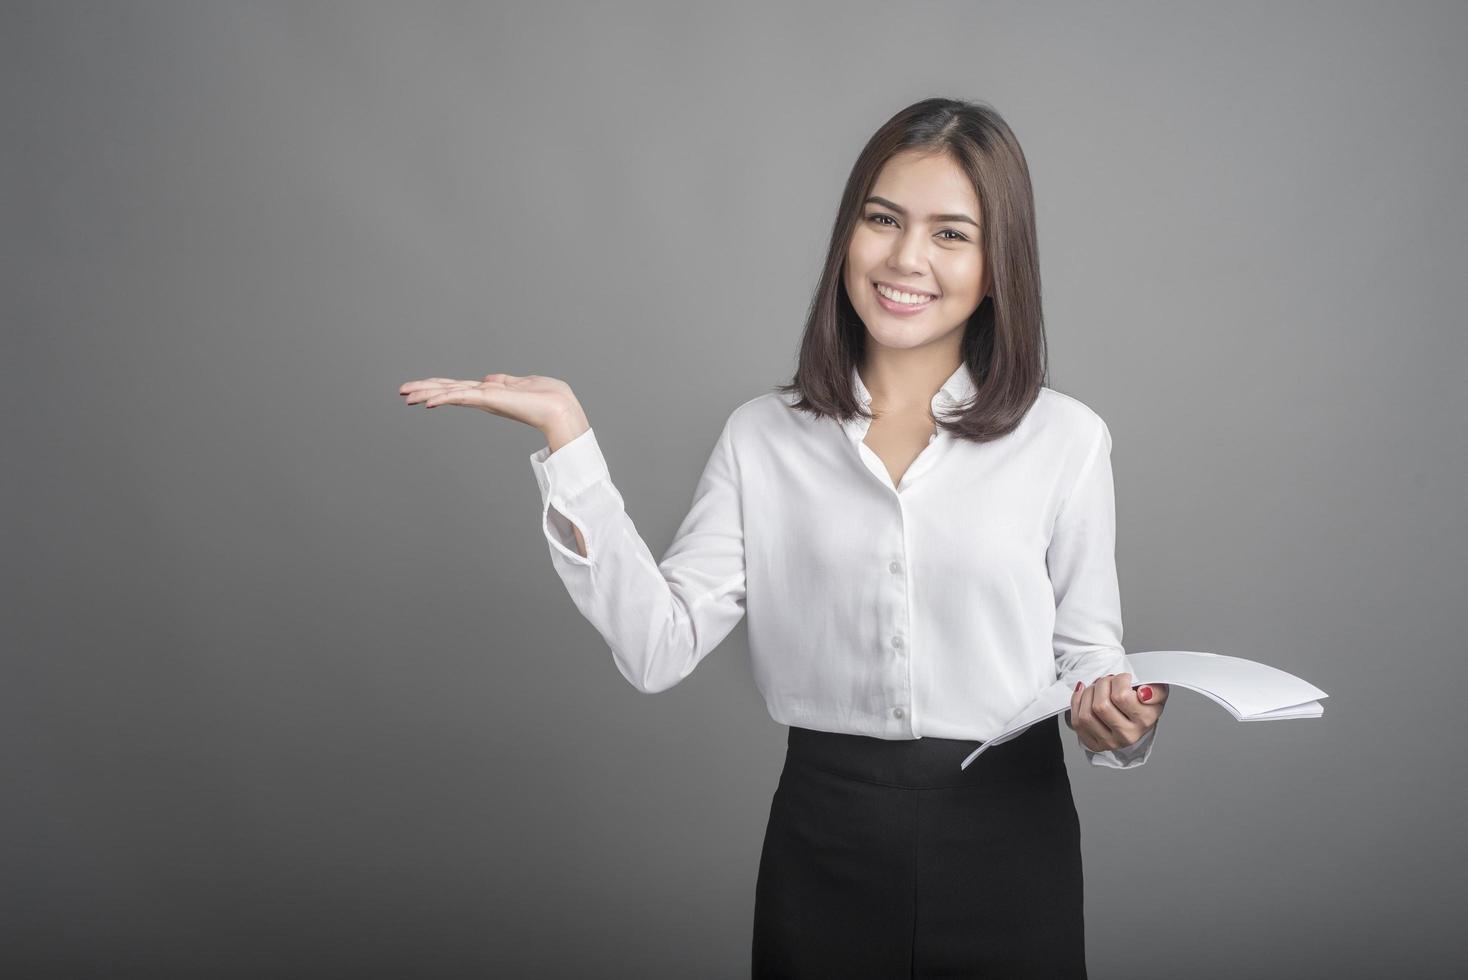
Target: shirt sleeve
x: 659, y: 618
x: 1082, y: 564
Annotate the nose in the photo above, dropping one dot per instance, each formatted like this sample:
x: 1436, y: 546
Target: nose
x: 906, y: 257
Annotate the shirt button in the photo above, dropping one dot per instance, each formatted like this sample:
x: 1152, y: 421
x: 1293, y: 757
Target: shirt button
x: 898, y: 712
x: 895, y: 567
x: 897, y: 642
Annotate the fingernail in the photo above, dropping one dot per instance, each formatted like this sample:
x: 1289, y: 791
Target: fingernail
x: 1145, y: 694
x: 1078, y: 686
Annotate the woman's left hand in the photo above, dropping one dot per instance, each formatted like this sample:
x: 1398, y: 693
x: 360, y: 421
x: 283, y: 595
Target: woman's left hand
x: 1110, y: 715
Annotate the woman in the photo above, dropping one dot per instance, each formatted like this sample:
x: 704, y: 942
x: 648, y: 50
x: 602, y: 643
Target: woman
x: 923, y: 535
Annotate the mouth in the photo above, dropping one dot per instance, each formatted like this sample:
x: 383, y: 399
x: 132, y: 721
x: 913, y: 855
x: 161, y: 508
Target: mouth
x: 898, y: 307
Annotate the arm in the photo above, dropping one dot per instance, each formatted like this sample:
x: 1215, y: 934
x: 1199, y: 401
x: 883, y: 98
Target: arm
x: 1082, y: 564
x: 660, y: 619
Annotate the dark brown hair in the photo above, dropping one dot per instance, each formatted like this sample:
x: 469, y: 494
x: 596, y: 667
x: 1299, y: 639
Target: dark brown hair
x: 1004, y: 340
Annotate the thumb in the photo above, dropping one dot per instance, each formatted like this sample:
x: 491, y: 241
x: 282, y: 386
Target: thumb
x: 1153, y: 694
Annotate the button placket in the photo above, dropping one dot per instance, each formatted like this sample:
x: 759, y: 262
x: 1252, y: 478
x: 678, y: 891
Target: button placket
x: 897, y: 640
x: 895, y: 567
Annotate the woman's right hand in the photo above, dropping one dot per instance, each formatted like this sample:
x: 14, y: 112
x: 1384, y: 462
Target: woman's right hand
x: 547, y: 404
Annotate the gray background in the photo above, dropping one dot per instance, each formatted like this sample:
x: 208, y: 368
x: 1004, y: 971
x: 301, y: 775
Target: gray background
x: 290, y: 686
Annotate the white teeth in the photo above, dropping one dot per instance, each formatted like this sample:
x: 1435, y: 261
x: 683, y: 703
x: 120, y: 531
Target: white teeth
x: 911, y: 299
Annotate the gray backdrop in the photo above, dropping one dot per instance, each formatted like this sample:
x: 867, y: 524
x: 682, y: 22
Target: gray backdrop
x: 290, y: 686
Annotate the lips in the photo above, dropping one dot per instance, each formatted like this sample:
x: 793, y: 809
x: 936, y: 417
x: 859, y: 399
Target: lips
x: 899, y: 288
x: 900, y: 309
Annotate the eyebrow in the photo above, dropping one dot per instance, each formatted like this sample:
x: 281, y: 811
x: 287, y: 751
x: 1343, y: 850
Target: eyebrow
x: 932, y: 217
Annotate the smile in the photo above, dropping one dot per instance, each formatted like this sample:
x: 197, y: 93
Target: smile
x: 901, y: 304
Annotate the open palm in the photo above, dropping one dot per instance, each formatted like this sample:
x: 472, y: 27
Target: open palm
x: 538, y: 401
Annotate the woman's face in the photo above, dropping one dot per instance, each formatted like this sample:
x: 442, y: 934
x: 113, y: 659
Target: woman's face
x: 917, y: 232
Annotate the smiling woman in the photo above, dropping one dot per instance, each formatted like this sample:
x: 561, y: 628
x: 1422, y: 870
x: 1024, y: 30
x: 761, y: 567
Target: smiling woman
x: 997, y: 537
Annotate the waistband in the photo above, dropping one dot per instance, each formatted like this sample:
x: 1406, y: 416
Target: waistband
x: 930, y: 763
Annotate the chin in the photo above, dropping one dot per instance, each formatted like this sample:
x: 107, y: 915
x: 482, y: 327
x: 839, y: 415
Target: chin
x: 897, y: 338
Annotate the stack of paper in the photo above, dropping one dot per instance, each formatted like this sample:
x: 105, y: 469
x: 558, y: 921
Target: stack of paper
x: 1250, y: 691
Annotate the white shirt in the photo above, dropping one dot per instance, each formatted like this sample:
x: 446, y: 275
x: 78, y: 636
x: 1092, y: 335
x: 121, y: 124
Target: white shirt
x: 939, y: 606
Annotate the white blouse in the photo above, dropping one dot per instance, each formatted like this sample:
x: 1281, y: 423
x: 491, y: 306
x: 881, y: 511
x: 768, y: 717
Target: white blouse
x: 939, y: 606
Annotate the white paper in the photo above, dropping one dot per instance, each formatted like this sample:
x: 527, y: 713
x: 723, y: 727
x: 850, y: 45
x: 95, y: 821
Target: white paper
x: 1250, y: 691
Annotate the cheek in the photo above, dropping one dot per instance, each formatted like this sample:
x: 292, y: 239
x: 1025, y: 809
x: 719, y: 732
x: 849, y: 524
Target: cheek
x: 966, y: 280
x: 864, y: 252
x: 855, y: 273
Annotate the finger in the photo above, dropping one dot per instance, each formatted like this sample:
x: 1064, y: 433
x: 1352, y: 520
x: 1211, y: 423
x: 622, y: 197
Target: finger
x: 1091, y: 732
x: 1114, y: 725
x: 428, y: 383
x: 1124, y: 697
x: 468, y: 395
x: 494, y: 382
x: 428, y: 391
x: 1159, y: 694
x: 1087, y: 727
x: 1131, y: 718
x: 495, y: 399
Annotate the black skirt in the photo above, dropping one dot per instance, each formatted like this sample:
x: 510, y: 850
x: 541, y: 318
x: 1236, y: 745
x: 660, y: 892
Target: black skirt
x: 884, y: 859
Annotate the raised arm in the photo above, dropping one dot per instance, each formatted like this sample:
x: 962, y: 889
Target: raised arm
x: 660, y: 619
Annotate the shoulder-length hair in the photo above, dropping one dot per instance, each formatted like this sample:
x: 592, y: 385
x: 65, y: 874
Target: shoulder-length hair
x: 1004, y: 340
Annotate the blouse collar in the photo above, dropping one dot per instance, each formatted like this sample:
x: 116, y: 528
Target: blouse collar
x: 955, y: 391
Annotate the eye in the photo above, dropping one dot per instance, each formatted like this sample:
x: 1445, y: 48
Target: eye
x: 881, y: 219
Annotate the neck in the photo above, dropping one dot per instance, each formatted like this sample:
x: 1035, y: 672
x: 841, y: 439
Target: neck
x: 899, y: 380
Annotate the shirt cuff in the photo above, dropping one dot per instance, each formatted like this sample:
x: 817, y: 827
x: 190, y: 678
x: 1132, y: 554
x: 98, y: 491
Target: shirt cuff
x: 1128, y: 756
x: 567, y: 479
x: 572, y: 468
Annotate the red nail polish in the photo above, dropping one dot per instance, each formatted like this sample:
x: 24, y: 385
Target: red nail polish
x: 1078, y: 686
x: 1145, y: 694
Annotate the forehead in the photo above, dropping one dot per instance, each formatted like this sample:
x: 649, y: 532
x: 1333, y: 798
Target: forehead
x: 925, y: 183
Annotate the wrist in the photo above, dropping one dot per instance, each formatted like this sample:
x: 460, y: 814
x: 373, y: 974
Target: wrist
x: 566, y: 426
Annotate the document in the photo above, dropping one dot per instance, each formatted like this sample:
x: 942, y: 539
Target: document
x: 1250, y: 691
